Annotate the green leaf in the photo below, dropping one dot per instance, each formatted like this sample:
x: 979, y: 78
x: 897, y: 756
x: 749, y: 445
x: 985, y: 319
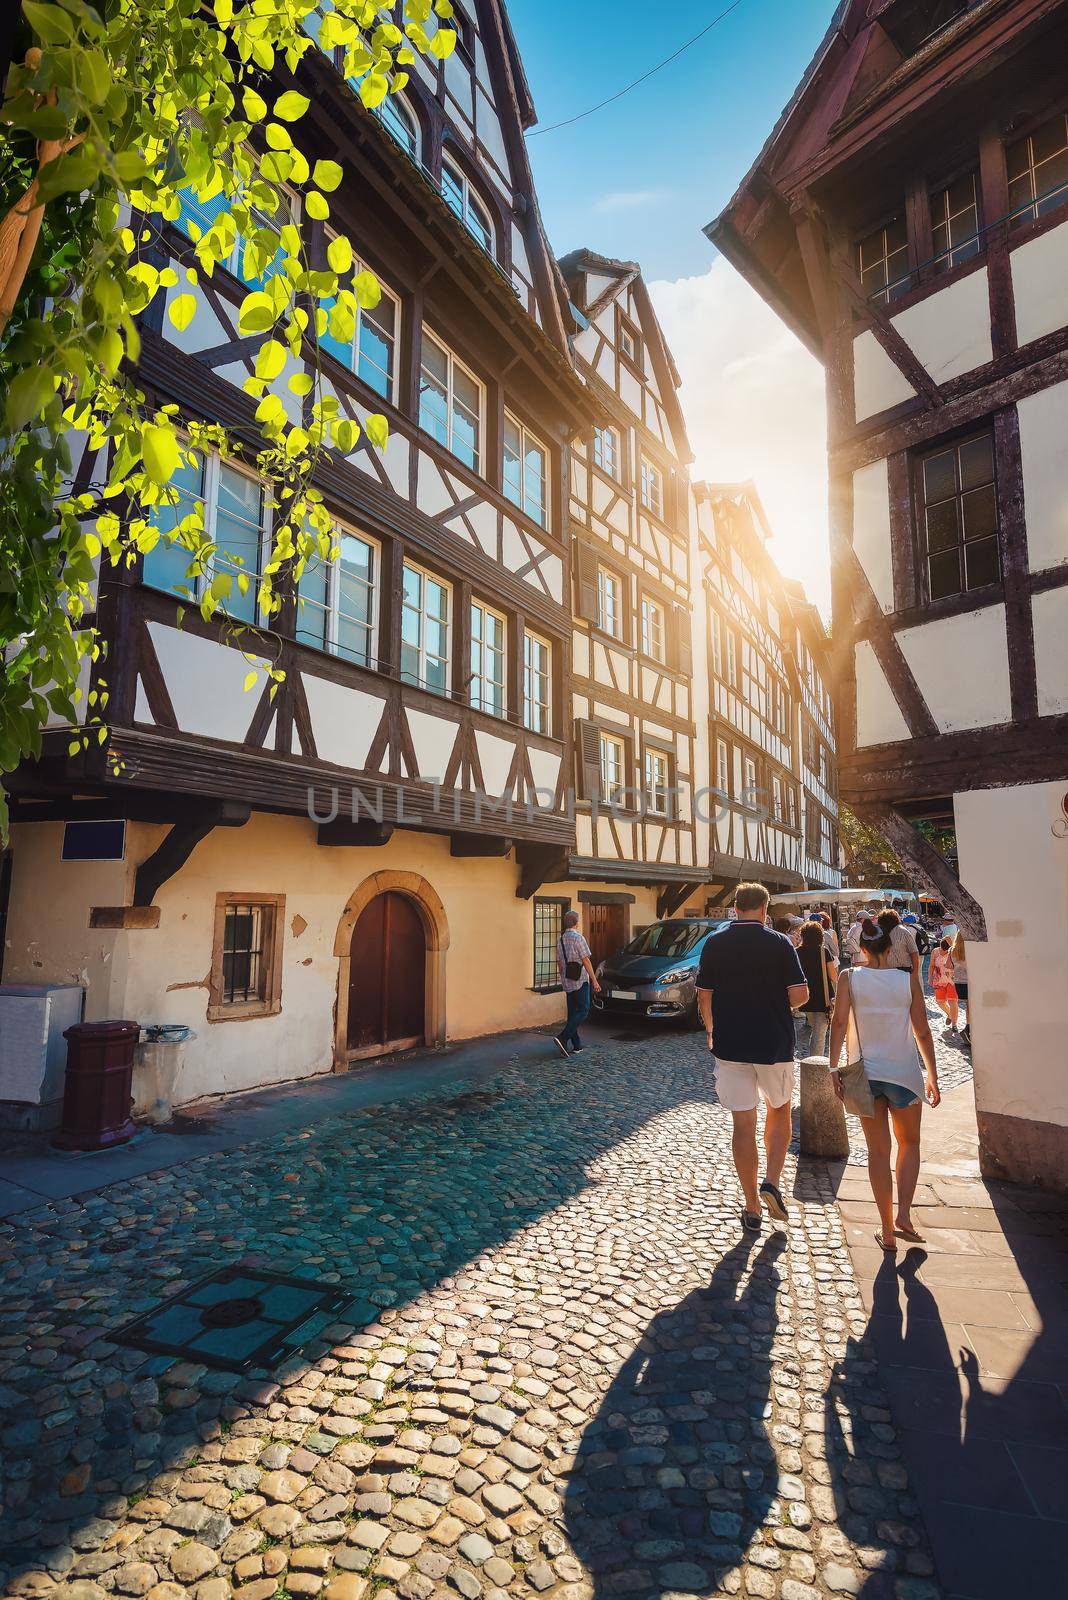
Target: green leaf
x: 443, y: 44
x: 255, y: 105
x: 28, y: 393
x: 367, y: 290
x: 251, y: 680
x: 339, y: 254
x: 181, y: 310
x: 327, y: 175
x: 301, y: 383
x: 49, y: 23
x: 291, y: 106
x: 377, y: 430
x: 270, y: 359
x: 257, y: 313
x: 373, y: 89
x: 159, y: 447
x: 70, y: 174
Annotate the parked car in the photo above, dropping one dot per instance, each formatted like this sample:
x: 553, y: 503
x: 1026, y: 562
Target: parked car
x: 655, y: 974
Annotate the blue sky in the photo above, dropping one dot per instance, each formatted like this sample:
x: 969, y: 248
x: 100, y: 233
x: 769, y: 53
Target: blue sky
x: 644, y: 175
x: 639, y: 179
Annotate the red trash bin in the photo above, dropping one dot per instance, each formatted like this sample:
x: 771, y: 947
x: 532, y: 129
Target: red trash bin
x: 98, y: 1090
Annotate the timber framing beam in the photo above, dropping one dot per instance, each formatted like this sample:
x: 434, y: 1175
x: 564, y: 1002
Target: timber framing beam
x: 921, y: 856
x: 672, y: 896
x: 175, y: 849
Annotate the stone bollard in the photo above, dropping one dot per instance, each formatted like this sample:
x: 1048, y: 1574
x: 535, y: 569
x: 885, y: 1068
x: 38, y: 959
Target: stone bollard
x: 823, y: 1124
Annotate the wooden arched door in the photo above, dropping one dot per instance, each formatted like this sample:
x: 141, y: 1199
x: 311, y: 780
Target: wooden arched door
x: 387, y: 977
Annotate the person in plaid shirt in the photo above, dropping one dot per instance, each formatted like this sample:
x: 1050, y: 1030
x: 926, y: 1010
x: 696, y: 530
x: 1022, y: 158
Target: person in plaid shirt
x: 572, y: 950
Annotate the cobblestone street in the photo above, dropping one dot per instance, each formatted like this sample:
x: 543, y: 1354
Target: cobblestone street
x: 559, y: 1370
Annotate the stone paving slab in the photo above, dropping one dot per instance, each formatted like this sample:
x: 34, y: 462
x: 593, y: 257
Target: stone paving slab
x: 561, y: 1371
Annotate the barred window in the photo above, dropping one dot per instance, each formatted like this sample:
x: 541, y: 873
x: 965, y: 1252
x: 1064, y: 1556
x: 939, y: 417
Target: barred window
x: 548, y: 929
x: 246, y: 958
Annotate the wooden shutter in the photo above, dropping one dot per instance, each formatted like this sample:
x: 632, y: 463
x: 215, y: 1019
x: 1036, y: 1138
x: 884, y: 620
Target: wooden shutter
x: 586, y: 582
x: 682, y: 640
x: 588, y: 758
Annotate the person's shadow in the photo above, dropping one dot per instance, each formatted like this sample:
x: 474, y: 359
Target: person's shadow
x: 675, y: 1473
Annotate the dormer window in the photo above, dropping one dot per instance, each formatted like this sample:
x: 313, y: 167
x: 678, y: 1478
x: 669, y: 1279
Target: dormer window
x: 460, y: 197
x: 883, y: 261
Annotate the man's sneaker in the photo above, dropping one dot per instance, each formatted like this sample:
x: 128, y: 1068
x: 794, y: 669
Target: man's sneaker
x: 562, y: 1047
x: 577, y: 1051
x: 752, y: 1221
x: 774, y: 1204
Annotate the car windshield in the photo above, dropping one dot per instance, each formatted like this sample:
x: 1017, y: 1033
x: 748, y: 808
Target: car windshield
x: 668, y: 939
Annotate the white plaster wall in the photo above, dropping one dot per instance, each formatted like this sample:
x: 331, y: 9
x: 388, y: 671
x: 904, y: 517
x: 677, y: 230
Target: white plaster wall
x: 205, y: 681
x: 1044, y: 451
x: 879, y: 719
x: 949, y: 331
x: 871, y: 530
x: 877, y: 383
x: 1040, y: 284
x: 1049, y: 615
x: 161, y: 974
x: 433, y: 739
x: 961, y: 665
x: 343, y: 720
x: 1018, y: 978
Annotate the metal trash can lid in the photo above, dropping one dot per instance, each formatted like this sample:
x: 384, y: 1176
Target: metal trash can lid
x: 167, y: 1032
x: 112, y: 1029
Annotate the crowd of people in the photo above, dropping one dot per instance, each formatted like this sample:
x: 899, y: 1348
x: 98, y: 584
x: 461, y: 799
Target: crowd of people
x: 770, y: 992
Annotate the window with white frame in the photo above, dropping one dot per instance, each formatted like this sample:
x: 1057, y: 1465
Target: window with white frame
x: 825, y: 838
x: 488, y: 657
x: 371, y: 352
x: 750, y: 780
x: 537, y: 683
x: 236, y: 519
x: 425, y: 629
x: 723, y: 766
x: 715, y: 624
x: 461, y: 198
x: 337, y: 601
x: 397, y: 117
x: 778, y: 809
x: 732, y: 658
x: 613, y: 769
x: 652, y: 488
x: 253, y: 258
x: 606, y: 450
x: 629, y: 343
x: 526, y: 471
x: 609, y: 602
x: 657, y: 782
x: 451, y: 402
x: 652, y: 628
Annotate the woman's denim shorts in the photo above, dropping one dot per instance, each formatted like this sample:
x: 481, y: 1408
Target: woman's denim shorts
x: 896, y: 1093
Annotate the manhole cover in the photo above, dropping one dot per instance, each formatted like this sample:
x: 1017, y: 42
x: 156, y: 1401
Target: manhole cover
x: 237, y: 1318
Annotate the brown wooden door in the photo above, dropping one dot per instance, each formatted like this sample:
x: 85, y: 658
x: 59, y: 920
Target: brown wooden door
x: 606, y: 933
x: 387, y: 977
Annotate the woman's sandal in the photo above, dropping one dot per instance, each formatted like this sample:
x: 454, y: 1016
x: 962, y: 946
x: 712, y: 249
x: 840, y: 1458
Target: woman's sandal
x: 910, y: 1234
x: 887, y: 1249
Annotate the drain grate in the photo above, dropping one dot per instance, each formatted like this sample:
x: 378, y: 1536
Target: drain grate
x: 237, y: 1318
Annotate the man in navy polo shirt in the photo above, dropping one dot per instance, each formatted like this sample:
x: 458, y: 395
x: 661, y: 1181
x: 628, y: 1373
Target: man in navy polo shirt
x: 749, y: 980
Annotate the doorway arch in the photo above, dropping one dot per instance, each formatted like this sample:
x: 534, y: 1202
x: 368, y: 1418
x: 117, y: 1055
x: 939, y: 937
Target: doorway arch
x: 431, y: 913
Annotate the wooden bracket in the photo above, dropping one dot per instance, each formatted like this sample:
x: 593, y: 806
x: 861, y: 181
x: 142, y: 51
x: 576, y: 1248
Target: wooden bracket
x: 479, y: 844
x: 363, y: 831
x: 539, y: 864
x: 175, y: 849
x: 921, y: 856
x: 672, y: 896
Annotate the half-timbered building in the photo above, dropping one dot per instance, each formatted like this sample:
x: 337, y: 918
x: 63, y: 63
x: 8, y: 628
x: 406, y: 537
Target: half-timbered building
x: 634, y: 856
x: 908, y: 218
x: 325, y: 869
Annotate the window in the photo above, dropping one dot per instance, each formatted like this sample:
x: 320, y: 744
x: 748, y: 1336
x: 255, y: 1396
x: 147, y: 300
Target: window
x: 883, y: 262
x: 246, y: 957
x: 461, y: 198
x: 450, y: 402
x: 609, y: 603
x: 1038, y: 170
x: 396, y: 117
x: 652, y: 629
x: 425, y: 604
x: 488, y: 632
x: 338, y: 600
x: 253, y: 259
x: 236, y: 519
x: 732, y: 658
x: 723, y: 766
x: 537, y: 683
x: 749, y: 794
x: 959, y: 516
x: 629, y: 343
x: 548, y: 931
x: 826, y: 847
x: 526, y: 471
x: 955, y: 223
x: 371, y: 352
x: 778, y: 809
x: 657, y: 782
x: 613, y: 769
x: 652, y: 488
x: 716, y: 634
x: 606, y: 451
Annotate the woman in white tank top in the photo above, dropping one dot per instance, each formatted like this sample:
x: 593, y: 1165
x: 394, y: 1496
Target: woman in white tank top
x: 881, y: 1011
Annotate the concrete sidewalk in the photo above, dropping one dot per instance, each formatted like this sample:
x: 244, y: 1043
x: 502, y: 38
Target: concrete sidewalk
x: 32, y: 1172
x: 970, y: 1336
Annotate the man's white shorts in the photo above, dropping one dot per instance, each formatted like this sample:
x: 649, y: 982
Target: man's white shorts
x: 739, y: 1082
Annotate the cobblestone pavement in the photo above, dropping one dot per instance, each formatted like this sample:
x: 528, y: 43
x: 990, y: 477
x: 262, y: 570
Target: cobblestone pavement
x: 560, y: 1372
